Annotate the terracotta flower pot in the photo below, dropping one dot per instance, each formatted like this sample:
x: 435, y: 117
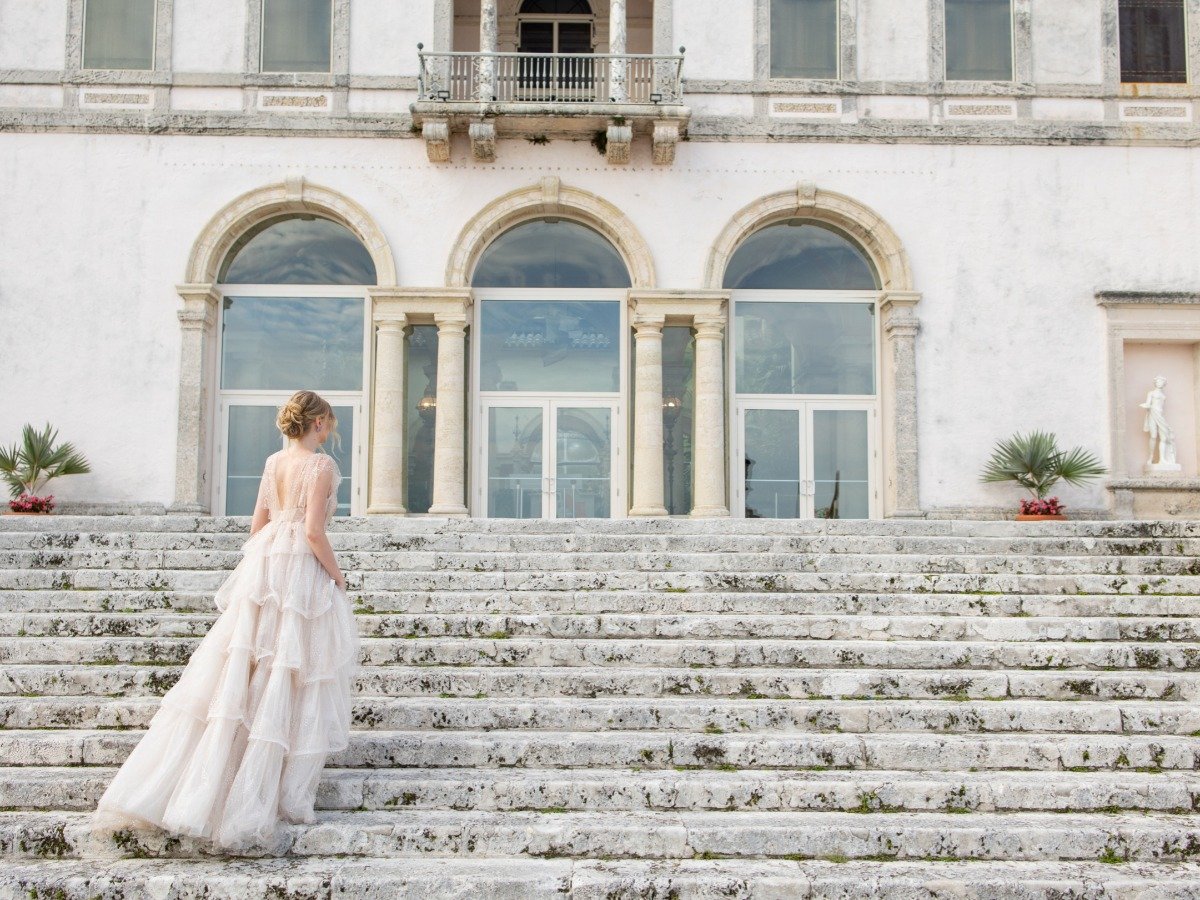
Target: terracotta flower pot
x: 1021, y: 517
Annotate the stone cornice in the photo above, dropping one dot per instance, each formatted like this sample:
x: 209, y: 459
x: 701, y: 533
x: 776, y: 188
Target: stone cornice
x: 419, y: 305
x: 1147, y: 298
x: 679, y: 307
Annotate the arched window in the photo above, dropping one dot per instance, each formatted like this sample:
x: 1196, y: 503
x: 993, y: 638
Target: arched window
x: 800, y: 255
x: 298, y: 250
x: 550, y: 370
x: 551, y: 254
x: 293, y: 316
x: 805, y: 372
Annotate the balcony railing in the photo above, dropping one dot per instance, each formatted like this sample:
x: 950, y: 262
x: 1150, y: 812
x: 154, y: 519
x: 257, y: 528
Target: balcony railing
x: 627, y: 78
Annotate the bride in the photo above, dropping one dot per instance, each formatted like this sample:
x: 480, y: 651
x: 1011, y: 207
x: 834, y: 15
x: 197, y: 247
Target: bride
x: 239, y: 742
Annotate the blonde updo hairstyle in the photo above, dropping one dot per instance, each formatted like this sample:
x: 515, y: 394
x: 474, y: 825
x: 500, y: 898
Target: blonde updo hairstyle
x: 301, y: 412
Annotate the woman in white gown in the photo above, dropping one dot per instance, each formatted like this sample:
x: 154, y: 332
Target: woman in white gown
x: 240, y: 741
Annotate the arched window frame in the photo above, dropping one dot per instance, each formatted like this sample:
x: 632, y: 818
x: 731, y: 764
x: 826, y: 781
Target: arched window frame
x: 354, y: 445
x: 805, y: 406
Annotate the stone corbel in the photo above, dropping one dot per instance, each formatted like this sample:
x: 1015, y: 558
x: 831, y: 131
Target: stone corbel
x: 666, y: 137
x: 437, y: 139
x: 619, y: 141
x: 483, y: 141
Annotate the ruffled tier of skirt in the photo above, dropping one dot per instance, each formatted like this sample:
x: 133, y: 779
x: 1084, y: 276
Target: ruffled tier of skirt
x: 240, y: 741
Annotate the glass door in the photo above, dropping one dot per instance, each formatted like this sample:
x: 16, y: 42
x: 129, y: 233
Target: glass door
x: 549, y: 459
x: 805, y: 460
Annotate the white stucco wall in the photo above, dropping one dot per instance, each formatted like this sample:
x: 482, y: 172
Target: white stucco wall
x: 1008, y: 245
x: 1068, y: 41
x: 718, y: 36
x: 33, y: 34
x: 209, y: 35
x: 384, y: 35
x: 893, y: 40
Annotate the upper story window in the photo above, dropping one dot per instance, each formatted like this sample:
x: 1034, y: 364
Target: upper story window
x: 118, y: 34
x: 979, y: 40
x: 1152, y: 41
x: 297, y: 35
x: 804, y: 38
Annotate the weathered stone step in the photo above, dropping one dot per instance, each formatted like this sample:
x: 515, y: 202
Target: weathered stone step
x: 317, y: 878
x: 369, y: 539
x: 910, y: 752
x: 718, y: 563
x: 643, y: 603
x: 433, y: 525
x: 436, y: 651
x: 763, y: 682
x: 670, y: 714
x: 206, y: 580
x: 694, y: 626
x: 79, y: 788
x: 1147, y: 837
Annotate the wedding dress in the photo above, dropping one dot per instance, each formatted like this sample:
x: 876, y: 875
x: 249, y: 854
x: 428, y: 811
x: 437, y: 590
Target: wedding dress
x: 240, y: 741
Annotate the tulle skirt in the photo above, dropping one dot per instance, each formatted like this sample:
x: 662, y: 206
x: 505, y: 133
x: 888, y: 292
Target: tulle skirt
x: 240, y: 741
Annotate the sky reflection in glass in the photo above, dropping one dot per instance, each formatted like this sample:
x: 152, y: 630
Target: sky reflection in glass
x: 298, y: 250
x: 803, y: 257
x: 555, y: 346
x: 541, y: 254
x: 272, y: 343
x: 805, y: 348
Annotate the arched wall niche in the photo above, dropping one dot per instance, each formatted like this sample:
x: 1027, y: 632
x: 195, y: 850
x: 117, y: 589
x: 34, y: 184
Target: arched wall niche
x: 550, y: 199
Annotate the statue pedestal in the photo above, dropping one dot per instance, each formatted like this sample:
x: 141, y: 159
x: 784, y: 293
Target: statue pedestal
x: 1162, y: 469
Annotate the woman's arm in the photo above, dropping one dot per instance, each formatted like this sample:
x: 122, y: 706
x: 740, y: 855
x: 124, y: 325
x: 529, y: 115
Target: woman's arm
x: 314, y: 525
x: 262, y: 515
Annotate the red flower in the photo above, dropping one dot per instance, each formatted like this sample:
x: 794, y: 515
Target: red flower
x: 30, y: 503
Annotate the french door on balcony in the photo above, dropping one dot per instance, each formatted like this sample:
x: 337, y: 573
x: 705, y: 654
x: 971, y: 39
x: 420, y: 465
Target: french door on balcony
x: 550, y: 458
x: 561, y: 68
x: 805, y: 459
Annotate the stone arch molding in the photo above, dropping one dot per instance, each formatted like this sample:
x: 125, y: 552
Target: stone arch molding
x: 806, y: 201
x: 550, y: 198
x: 293, y: 195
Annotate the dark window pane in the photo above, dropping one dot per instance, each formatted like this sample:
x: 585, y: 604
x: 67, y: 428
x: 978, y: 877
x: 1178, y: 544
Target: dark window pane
x: 543, y: 254
x: 420, y: 415
x: 679, y: 416
x: 978, y: 40
x: 803, y: 256
x: 292, y: 343
x: 557, y: 7
x: 296, y: 35
x: 1152, y: 41
x: 804, y: 38
x: 118, y: 34
x: 298, y: 250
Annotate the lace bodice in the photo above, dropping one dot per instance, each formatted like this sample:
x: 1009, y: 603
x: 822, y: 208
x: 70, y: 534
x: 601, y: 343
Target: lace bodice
x: 293, y: 507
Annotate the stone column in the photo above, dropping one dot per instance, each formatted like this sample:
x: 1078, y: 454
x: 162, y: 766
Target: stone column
x: 648, y: 418
x: 197, y: 380
x: 900, y: 328
x: 450, y: 432
x: 709, y: 446
x: 387, y: 423
x: 617, y: 29
x: 489, y: 36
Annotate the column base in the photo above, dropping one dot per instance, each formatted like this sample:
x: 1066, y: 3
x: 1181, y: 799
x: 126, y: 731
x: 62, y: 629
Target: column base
x: 648, y: 511
x: 460, y: 511
x: 709, y: 512
x: 386, y: 509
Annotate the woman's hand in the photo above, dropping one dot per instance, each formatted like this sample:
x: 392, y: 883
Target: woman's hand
x: 340, y: 581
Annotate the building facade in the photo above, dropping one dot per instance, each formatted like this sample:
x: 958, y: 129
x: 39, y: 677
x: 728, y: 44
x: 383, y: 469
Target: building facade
x: 603, y: 258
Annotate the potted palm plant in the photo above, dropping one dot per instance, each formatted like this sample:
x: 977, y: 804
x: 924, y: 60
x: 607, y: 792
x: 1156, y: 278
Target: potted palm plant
x: 1035, y: 462
x: 29, y: 466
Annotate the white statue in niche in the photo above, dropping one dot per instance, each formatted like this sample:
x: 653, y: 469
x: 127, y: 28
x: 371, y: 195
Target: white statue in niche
x: 1162, y: 436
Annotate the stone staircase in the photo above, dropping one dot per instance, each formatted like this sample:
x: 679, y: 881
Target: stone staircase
x: 648, y: 708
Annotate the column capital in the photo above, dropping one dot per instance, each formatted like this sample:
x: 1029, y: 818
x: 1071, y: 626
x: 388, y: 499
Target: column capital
x: 450, y: 323
x: 647, y: 325
x: 898, y: 300
x: 200, y: 303
x: 391, y: 323
x: 709, y: 327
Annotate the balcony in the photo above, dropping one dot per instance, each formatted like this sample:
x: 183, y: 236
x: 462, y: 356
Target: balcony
x: 609, y: 96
